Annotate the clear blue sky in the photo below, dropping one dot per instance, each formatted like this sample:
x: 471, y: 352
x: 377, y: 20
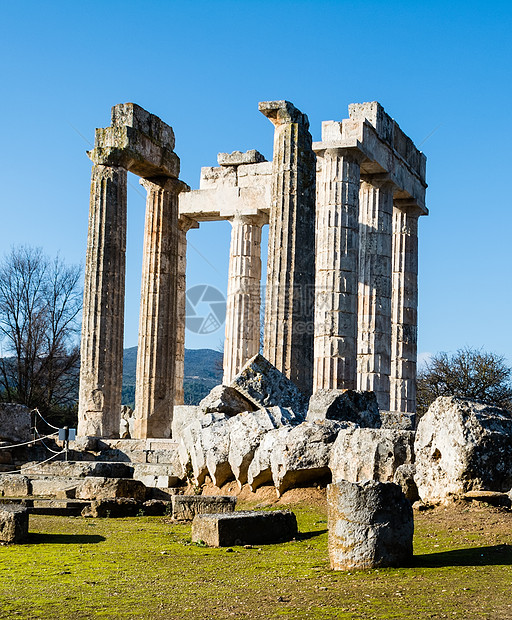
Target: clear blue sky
x: 441, y: 69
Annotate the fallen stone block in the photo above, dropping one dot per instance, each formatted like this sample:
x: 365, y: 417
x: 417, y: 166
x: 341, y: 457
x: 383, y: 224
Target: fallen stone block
x: 494, y: 498
x: 259, y: 471
x: 265, y: 386
x: 404, y: 477
x: 14, y: 423
x: 204, y: 448
x: 462, y: 445
x: 13, y: 523
x: 398, y: 420
x: 157, y: 508
x: 111, y: 488
x: 14, y: 485
x: 113, y: 508
x: 361, y: 408
x: 301, y: 454
x: 370, y: 525
x: 370, y: 454
x: 225, y: 399
x: 247, y: 430
x: 186, y: 507
x: 183, y: 415
x: 244, y: 528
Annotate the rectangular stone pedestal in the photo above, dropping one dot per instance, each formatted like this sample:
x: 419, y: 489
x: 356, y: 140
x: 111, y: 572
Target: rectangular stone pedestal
x: 244, y: 528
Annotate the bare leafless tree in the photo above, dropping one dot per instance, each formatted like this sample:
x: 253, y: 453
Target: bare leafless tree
x: 40, y: 302
x: 468, y: 373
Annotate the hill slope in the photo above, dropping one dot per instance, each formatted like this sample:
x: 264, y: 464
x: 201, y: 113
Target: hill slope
x: 203, y: 371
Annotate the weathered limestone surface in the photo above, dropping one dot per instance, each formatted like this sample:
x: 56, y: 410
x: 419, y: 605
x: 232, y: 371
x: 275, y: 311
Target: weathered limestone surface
x: 101, y: 369
x: 259, y: 471
x: 398, y: 420
x: 14, y: 423
x: 370, y: 454
x: 186, y: 507
x: 374, y: 306
x: 246, y: 432
x: 137, y: 141
x: 244, y: 528
x: 182, y: 416
x: 462, y: 445
x: 204, y: 448
x: 289, y: 310
x: 184, y: 225
x: 301, y: 453
x: 404, y: 477
x: 154, y: 390
x: 370, y: 525
x: 13, y: 523
x: 14, y: 485
x: 337, y: 259
x: 237, y: 158
x: 242, y: 341
x: 404, y: 307
x: 265, y: 386
x: 345, y: 405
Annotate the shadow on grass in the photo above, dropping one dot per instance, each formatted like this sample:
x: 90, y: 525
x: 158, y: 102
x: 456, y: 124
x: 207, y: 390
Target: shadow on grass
x: 476, y: 556
x: 64, y: 539
x: 308, y: 535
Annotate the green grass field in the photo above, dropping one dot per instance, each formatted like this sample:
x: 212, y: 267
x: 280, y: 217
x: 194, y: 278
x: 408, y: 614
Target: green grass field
x: 146, y: 567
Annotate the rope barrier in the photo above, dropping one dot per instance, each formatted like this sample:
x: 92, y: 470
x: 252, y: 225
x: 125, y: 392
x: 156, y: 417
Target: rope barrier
x: 47, y: 423
x: 26, y: 443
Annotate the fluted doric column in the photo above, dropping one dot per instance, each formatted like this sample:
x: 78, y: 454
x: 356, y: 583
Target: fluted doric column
x: 289, y: 308
x: 184, y: 225
x: 374, y: 305
x: 337, y: 259
x: 155, y: 380
x: 244, y: 298
x: 404, y: 307
x: 101, y: 369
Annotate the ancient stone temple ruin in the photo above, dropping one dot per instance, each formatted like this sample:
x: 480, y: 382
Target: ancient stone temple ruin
x: 341, y: 294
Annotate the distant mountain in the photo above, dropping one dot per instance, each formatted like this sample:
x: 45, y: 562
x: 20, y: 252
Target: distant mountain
x: 203, y: 371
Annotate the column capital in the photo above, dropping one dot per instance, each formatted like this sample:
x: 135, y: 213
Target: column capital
x: 166, y: 183
x: 185, y: 223
x: 258, y: 219
x: 378, y: 180
x: 408, y: 206
x: 282, y: 113
x: 327, y: 149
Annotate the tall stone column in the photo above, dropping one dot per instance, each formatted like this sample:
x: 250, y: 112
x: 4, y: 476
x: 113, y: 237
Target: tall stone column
x: 337, y: 259
x: 374, y: 304
x: 244, y: 298
x: 101, y: 370
x: 404, y: 307
x: 289, y: 308
x: 155, y: 380
x: 184, y: 225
